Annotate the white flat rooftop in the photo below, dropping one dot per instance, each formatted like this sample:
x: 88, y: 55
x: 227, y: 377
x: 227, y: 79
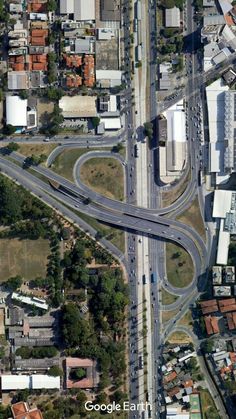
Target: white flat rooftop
x: 222, y: 203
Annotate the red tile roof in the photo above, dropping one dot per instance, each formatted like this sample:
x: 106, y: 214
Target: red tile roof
x: 21, y: 410
x: 173, y: 391
x: 79, y: 362
x: 226, y: 302
x: 73, y: 60
x: 232, y: 356
x: 188, y: 383
x: 73, y: 81
x: 211, y: 324
x: 224, y: 309
x: 229, y: 19
x: 210, y: 309
x: 169, y: 377
x: 231, y: 320
x: 89, y: 74
x: 38, y: 41
x: 208, y: 303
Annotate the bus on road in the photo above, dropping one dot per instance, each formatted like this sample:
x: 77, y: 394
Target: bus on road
x: 154, y: 277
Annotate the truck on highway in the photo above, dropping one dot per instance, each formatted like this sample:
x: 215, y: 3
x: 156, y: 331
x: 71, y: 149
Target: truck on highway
x: 133, y: 68
x: 154, y: 277
x: 138, y: 10
x: 138, y: 53
x: 200, y: 178
x: 135, y: 25
x: 140, y: 362
x: 144, y: 279
x: 136, y: 150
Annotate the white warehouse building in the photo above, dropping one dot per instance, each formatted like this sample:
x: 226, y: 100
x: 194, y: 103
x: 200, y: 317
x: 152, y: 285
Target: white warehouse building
x: 34, y: 382
x: 176, y: 138
x: 83, y: 10
x: 16, y: 111
x: 224, y: 209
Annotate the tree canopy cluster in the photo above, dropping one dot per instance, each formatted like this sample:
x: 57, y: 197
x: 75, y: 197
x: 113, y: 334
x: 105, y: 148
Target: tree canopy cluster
x: 52, y: 67
x: 4, y: 15
x: 14, y: 283
x: 53, y: 93
x: 232, y: 254
x: 174, y: 45
x: 16, y: 204
x: 169, y: 4
x: 148, y: 128
x: 55, y: 118
x: 39, y: 352
x: 107, y: 298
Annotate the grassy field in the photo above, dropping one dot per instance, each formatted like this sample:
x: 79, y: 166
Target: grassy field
x: 64, y: 163
x: 27, y: 258
x: 192, y: 217
x: 179, y: 337
x: 186, y: 319
x: 167, y: 315
x: 104, y: 175
x: 167, y: 298
x: 171, y: 196
x: 208, y: 405
x: 114, y: 235
x: 179, y: 266
x: 29, y: 149
x: 44, y: 107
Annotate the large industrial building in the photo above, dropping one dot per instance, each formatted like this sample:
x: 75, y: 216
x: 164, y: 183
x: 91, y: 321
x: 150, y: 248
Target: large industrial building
x: 172, y: 17
x: 172, y: 156
x: 82, y: 10
x: 108, y: 78
x: 16, y: 111
x: 34, y: 382
x: 224, y: 209
x: 176, y: 138
x: 110, y: 10
x: 78, y: 106
x: 19, y: 114
x: 215, y: 94
x: 230, y: 131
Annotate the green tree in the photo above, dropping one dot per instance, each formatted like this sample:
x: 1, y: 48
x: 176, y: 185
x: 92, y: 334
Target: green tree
x: 14, y: 283
x: 81, y: 397
x: 23, y: 94
x: 118, y: 148
x: 9, y: 129
x: 95, y: 121
x: 99, y: 235
x: 78, y: 373
x: 119, y: 396
x: 101, y: 398
x: 53, y: 93
x: 12, y: 147
x: 148, y: 128
x: 51, y: 5
x: 75, y: 330
x: 168, y: 4
x: 208, y: 346
x: 55, y: 371
x: 231, y: 386
x: 169, y: 32
x: 10, y: 207
x: 192, y: 364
